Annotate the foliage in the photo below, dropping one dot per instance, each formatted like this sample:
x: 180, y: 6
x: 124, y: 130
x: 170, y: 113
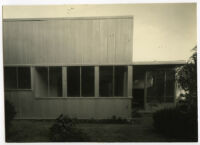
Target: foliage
x: 177, y: 122
x: 186, y: 75
x: 64, y: 130
x: 181, y: 121
x: 9, y: 114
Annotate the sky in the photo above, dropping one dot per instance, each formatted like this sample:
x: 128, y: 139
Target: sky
x: 161, y: 32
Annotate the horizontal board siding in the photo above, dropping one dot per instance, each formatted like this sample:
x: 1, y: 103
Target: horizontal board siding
x: 77, y: 41
x: 29, y: 107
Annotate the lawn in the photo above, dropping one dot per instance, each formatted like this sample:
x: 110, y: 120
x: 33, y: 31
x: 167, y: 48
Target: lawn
x: 141, y: 130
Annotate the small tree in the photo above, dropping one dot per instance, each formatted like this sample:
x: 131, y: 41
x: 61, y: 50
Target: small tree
x: 181, y: 121
x: 186, y: 75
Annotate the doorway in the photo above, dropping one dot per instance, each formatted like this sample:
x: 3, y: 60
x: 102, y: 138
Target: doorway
x: 138, y: 88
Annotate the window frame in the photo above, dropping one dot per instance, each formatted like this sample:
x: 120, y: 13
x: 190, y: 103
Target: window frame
x: 165, y: 70
x: 48, y: 81
x: 113, y: 81
x: 19, y: 89
x: 96, y: 83
x: 80, y: 81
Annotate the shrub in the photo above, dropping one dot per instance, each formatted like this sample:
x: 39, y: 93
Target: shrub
x: 65, y: 130
x: 9, y: 114
x: 177, y: 123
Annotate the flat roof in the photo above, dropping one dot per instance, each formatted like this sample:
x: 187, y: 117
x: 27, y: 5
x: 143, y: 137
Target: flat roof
x: 69, y: 18
x: 176, y: 62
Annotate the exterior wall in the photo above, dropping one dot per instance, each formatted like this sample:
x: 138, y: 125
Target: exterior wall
x: 68, y: 41
x: 29, y: 107
x: 65, y: 42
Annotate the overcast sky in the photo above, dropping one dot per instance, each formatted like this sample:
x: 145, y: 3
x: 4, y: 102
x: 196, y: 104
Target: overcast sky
x: 162, y: 32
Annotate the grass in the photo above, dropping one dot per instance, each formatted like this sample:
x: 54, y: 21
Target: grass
x: 141, y: 130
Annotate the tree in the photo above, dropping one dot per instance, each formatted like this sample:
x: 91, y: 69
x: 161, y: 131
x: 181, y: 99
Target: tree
x: 186, y: 75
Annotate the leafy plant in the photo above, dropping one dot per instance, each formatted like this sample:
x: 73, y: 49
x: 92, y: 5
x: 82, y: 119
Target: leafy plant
x: 181, y: 121
x: 177, y: 123
x: 9, y: 113
x: 186, y: 75
x: 65, y: 130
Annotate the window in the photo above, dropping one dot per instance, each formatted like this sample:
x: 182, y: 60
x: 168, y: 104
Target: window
x: 48, y: 81
x: 17, y: 77
x: 120, y: 80
x: 170, y: 79
x: 55, y: 81
x: 106, y: 81
x: 87, y: 81
x: 80, y: 81
x: 73, y: 81
x: 160, y: 86
x: 113, y: 81
x: 155, y: 86
x: 138, y: 87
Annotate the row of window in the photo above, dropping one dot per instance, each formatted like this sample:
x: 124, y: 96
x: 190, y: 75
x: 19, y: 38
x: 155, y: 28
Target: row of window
x: 80, y: 81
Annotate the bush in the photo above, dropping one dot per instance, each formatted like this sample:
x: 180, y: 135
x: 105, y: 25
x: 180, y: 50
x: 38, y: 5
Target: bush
x: 9, y: 114
x: 64, y: 130
x: 176, y: 122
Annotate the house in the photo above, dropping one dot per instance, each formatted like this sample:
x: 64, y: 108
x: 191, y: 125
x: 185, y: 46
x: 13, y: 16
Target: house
x: 81, y: 67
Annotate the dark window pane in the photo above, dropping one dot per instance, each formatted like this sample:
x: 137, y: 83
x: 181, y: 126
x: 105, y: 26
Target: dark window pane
x: 41, y: 81
x: 73, y: 81
x: 87, y: 81
x: 55, y: 81
x: 120, y: 80
x: 24, y: 78
x: 138, y: 88
x: 170, y: 79
x: 155, y: 86
x: 10, y: 77
x: 106, y: 81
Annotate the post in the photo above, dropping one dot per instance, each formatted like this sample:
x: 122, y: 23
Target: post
x: 175, y: 87
x: 96, y: 86
x: 130, y: 81
x: 145, y: 90
x: 80, y: 69
x: 165, y: 81
x: 32, y: 77
x: 64, y: 81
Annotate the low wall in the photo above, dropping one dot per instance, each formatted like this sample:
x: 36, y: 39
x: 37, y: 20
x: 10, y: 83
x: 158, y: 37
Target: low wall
x: 30, y: 107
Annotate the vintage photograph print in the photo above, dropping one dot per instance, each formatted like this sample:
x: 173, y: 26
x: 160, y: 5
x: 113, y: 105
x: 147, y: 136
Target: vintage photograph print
x: 100, y: 73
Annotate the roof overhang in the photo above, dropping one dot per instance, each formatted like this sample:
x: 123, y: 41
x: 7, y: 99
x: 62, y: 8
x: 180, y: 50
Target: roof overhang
x: 176, y: 62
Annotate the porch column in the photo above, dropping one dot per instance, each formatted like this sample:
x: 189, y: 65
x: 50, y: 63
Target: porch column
x: 96, y: 84
x: 145, y: 90
x: 32, y: 78
x: 130, y: 81
x: 64, y: 81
